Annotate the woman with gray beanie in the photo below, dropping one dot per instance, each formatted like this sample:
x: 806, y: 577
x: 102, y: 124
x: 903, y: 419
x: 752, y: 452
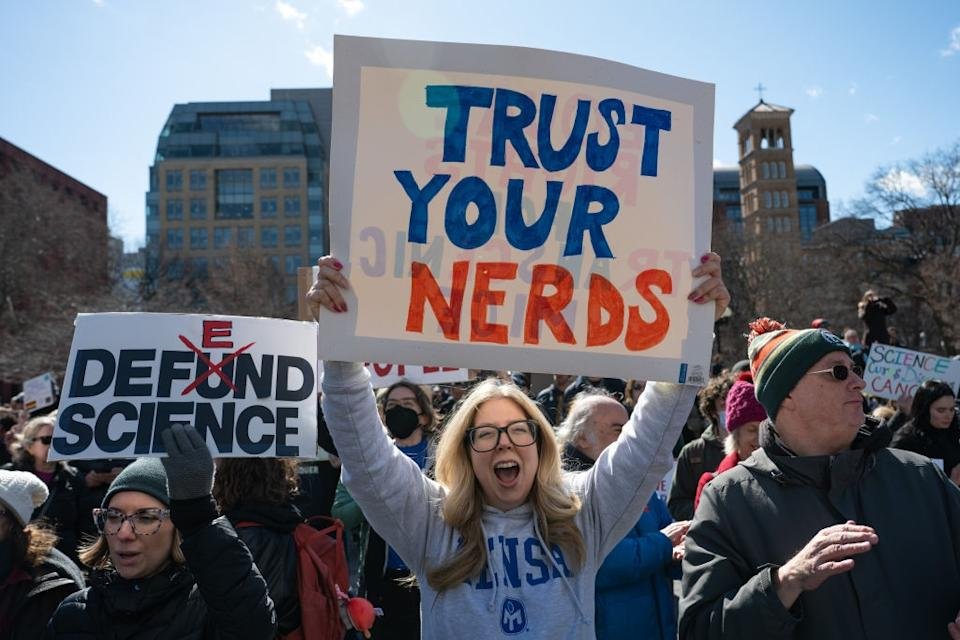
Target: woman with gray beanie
x: 165, y: 566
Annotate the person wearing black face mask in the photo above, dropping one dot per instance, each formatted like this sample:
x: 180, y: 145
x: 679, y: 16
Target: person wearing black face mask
x: 408, y: 415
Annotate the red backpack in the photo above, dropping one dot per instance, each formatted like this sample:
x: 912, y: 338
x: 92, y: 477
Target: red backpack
x: 321, y: 568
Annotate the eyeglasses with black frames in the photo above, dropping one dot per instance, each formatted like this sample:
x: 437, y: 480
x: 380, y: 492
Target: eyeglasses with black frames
x: 841, y: 371
x: 521, y: 433
x: 145, y: 522
x: 44, y: 440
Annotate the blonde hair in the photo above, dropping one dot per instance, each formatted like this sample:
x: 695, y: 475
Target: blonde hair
x: 462, y: 507
x: 26, y: 437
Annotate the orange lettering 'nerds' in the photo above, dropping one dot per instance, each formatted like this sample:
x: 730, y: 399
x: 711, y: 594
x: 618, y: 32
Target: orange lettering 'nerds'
x: 483, y: 297
x: 645, y: 335
x: 548, y: 308
x: 424, y: 288
x: 603, y: 297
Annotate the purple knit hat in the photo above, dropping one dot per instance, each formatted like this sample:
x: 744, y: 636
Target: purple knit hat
x: 742, y: 405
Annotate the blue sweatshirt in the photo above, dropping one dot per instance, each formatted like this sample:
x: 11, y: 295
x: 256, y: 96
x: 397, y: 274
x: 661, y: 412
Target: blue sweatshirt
x: 524, y: 589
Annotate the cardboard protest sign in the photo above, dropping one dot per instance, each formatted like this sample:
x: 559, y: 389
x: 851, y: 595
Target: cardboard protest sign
x: 894, y: 371
x: 39, y: 392
x: 509, y: 208
x: 247, y: 384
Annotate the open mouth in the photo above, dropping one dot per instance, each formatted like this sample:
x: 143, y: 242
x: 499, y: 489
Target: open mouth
x: 507, y: 471
x: 126, y: 557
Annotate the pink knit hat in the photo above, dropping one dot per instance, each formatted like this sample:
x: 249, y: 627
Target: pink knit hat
x: 742, y: 405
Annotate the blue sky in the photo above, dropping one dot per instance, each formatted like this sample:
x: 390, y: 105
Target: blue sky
x: 88, y: 84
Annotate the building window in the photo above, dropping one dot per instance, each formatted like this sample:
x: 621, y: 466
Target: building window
x: 275, y: 263
x: 175, y: 268
x: 747, y: 145
x: 766, y: 170
x: 198, y: 180
x: 291, y: 264
x: 776, y: 199
x: 152, y: 210
x: 268, y: 207
x: 808, y: 220
x: 199, y: 267
x: 291, y: 177
x: 784, y: 199
x: 291, y: 235
x: 767, y: 202
x: 174, y: 238
x: 268, y: 178
x: 268, y: 236
x: 198, y: 238
x: 175, y: 209
x: 291, y: 293
x: 234, y: 193
x: 291, y: 206
x: 245, y: 237
x: 783, y: 169
x: 174, y: 180
x: 198, y: 209
x: 222, y: 237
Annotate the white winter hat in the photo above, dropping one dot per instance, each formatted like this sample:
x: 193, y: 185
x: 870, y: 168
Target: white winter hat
x: 21, y: 492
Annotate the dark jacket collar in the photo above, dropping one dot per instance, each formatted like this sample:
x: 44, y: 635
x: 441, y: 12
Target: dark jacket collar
x: 132, y: 597
x: 575, y: 460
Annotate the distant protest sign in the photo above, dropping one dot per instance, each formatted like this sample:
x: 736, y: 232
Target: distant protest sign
x: 507, y: 208
x: 893, y: 372
x: 39, y: 392
x: 248, y: 385
x: 383, y: 375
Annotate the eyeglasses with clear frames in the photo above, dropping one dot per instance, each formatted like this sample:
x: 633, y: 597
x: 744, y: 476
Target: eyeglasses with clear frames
x: 521, y: 433
x: 144, y: 522
x: 840, y: 371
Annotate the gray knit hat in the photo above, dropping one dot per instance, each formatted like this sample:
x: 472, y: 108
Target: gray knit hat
x: 145, y: 475
x: 20, y: 493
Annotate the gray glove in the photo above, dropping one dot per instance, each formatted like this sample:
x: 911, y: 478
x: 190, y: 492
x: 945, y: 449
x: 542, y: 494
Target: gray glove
x: 188, y: 464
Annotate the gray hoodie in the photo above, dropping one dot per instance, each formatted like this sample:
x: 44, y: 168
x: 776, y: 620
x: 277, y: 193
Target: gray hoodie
x: 524, y: 589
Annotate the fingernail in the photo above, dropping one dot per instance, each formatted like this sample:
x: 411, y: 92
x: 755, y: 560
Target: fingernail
x: 704, y: 258
x: 344, y: 306
x: 700, y: 299
x: 691, y: 297
x: 337, y: 265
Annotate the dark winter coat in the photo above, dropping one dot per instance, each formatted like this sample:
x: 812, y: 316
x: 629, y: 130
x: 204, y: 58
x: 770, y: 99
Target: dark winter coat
x: 275, y: 554
x: 552, y: 404
x: 219, y: 594
x: 874, y: 316
x: 757, y: 516
x: 696, y: 458
x: 30, y: 595
x: 939, y: 444
x: 62, y: 509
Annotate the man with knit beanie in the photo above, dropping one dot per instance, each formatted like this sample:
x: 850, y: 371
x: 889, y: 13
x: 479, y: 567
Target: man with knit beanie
x: 823, y: 532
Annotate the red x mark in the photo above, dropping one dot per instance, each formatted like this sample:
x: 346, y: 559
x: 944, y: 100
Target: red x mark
x: 212, y: 368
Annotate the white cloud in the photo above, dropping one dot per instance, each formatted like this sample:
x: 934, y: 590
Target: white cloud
x: 814, y: 92
x: 352, y: 7
x: 289, y: 12
x: 903, y: 181
x: 321, y: 57
x: 870, y: 118
x: 853, y: 89
x: 954, y: 45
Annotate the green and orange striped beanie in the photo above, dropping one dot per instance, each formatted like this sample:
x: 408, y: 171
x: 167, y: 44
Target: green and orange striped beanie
x: 779, y: 357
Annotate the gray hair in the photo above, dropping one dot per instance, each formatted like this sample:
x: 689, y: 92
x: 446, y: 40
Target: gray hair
x: 578, y: 418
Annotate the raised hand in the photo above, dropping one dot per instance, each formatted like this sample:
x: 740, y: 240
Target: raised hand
x: 713, y: 287
x: 326, y: 291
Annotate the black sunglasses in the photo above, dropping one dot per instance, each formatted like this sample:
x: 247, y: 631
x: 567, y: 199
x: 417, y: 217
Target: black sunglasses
x: 44, y: 439
x: 841, y: 371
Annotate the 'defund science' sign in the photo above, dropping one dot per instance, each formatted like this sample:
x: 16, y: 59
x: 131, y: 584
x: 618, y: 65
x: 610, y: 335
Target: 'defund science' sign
x: 246, y: 384
x: 509, y: 208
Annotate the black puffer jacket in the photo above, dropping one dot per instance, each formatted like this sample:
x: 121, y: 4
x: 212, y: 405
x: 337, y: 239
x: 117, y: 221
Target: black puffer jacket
x: 28, y: 602
x: 274, y: 552
x: 219, y: 594
x: 939, y: 444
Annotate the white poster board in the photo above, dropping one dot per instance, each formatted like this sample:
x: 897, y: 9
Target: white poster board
x: 893, y: 372
x: 39, y: 392
x: 509, y: 208
x: 247, y: 384
x: 382, y: 375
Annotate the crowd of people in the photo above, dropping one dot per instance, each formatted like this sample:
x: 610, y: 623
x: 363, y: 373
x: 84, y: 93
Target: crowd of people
x: 798, y: 507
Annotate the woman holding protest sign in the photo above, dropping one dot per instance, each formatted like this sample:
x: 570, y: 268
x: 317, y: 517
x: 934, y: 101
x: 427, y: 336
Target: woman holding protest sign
x: 502, y: 541
x: 164, y: 565
x: 933, y: 430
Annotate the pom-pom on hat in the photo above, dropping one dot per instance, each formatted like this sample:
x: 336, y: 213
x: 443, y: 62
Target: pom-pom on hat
x: 779, y: 357
x: 145, y: 475
x: 742, y: 405
x: 21, y: 493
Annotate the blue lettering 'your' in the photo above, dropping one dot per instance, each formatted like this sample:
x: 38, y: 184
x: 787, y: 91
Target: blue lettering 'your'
x: 524, y: 561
